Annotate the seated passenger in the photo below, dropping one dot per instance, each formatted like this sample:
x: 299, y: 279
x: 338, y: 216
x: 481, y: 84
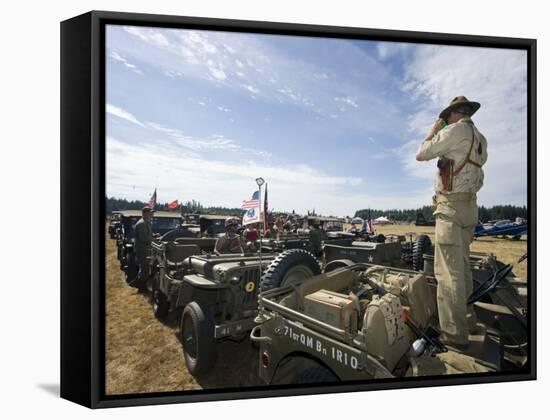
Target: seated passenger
x: 230, y: 243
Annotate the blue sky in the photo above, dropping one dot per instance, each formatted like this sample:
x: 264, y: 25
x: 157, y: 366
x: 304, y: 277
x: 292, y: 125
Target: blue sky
x: 330, y: 124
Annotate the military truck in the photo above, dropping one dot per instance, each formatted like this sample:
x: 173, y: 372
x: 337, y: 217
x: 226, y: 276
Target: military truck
x: 162, y: 223
x: 368, y: 321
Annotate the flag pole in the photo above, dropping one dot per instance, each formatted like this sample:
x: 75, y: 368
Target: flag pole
x: 260, y: 317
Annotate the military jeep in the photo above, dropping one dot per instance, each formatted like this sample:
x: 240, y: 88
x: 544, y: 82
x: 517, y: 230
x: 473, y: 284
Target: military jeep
x: 390, y: 250
x: 216, y: 295
x: 162, y: 223
x: 368, y: 321
x: 286, y: 241
x: 204, y: 225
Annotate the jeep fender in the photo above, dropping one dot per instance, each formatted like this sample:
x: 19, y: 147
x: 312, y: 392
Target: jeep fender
x: 333, y: 265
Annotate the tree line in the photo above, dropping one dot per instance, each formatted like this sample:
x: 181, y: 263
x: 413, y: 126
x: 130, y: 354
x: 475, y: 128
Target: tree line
x: 410, y: 215
x: 499, y: 212
x: 192, y: 206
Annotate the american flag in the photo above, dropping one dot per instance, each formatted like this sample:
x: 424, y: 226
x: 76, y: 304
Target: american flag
x: 153, y: 200
x: 369, y: 224
x: 253, y: 202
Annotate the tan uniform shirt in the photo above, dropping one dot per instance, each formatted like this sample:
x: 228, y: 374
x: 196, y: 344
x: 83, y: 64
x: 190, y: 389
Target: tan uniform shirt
x: 453, y: 142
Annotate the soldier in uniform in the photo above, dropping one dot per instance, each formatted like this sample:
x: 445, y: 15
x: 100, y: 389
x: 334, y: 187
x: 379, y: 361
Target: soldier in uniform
x: 143, y: 236
x: 462, y: 151
x: 231, y: 242
x: 316, y: 237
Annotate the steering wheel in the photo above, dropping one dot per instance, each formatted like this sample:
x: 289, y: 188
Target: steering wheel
x: 490, y: 285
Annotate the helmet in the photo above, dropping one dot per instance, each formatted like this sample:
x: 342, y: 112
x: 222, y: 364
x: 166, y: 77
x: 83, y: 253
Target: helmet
x: 231, y: 221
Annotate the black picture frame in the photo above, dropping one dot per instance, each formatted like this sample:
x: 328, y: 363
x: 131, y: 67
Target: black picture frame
x: 83, y: 204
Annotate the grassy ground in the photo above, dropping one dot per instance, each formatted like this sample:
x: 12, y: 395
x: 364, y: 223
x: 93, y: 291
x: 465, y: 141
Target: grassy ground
x: 145, y: 355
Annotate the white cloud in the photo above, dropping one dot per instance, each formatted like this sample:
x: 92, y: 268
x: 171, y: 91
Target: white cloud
x: 198, y: 41
x: 389, y: 49
x: 117, y: 57
x: 214, y: 142
x: 251, y: 88
x: 131, y: 169
x: 149, y: 35
x: 348, y: 100
x: 120, y: 113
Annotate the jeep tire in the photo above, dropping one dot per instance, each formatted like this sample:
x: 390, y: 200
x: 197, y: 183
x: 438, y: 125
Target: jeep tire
x: 200, y: 348
x: 130, y: 268
x: 290, y: 267
x: 314, y: 374
x: 421, y: 246
x: 160, y: 301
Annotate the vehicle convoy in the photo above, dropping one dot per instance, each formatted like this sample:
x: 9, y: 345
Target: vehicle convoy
x: 163, y: 223
x: 368, y: 321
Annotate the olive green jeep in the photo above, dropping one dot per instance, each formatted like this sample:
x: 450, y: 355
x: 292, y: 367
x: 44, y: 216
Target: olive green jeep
x: 365, y: 321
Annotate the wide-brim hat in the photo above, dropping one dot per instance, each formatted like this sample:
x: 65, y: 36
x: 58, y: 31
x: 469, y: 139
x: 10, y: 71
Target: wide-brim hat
x: 457, y: 102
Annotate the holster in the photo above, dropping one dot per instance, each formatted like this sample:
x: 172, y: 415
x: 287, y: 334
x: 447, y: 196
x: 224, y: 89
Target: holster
x: 446, y: 172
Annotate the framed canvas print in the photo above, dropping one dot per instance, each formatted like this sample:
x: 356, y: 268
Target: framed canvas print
x: 254, y: 209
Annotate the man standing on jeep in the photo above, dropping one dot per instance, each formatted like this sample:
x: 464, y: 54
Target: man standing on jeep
x: 143, y: 236
x: 462, y: 151
x: 230, y: 243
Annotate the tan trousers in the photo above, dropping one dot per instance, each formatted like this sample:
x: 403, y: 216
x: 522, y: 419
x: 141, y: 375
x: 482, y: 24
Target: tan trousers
x: 454, y: 229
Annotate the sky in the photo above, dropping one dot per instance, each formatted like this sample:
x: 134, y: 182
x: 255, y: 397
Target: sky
x: 330, y: 124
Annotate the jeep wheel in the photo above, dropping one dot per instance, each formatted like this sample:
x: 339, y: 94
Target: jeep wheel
x: 421, y: 246
x: 200, y: 348
x: 130, y: 268
x: 174, y: 234
x: 160, y: 301
x: 314, y: 374
x: 290, y: 267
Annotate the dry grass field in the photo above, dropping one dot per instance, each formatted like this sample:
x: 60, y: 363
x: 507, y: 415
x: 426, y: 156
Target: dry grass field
x: 145, y: 355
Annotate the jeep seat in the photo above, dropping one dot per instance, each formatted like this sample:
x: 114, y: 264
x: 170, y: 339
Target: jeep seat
x: 384, y: 330
x: 176, y: 253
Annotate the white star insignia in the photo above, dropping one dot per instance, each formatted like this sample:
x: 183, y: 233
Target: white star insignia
x: 371, y: 259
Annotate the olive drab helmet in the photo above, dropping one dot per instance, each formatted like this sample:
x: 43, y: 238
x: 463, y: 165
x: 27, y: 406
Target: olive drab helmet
x: 231, y: 221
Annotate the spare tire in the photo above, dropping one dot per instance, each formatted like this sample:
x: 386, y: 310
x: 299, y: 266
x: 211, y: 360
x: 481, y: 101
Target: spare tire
x: 421, y: 246
x: 290, y: 267
x: 174, y: 234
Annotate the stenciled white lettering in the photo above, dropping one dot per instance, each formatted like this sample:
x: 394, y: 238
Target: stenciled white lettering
x: 337, y: 354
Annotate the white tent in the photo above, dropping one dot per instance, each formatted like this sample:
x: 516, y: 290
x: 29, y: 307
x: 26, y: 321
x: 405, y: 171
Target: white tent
x: 382, y: 220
